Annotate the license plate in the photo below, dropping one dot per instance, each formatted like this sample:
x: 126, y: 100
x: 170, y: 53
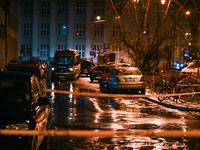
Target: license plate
x: 130, y: 80
x: 61, y: 76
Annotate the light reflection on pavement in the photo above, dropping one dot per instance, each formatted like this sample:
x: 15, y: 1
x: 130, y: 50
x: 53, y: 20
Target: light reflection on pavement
x: 80, y: 112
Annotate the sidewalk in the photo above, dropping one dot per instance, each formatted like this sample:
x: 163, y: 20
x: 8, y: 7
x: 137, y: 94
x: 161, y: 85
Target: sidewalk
x: 189, y: 106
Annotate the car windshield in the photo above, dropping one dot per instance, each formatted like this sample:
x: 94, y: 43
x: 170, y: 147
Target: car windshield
x: 14, y: 91
x: 193, y: 64
x: 32, y: 70
x: 128, y: 72
x: 64, y: 60
x: 124, y: 65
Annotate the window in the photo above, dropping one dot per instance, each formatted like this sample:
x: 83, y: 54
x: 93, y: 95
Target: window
x: 99, y: 7
x: 44, y: 50
x: 98, y: 29
x: 44, y: 29
x: 81, y: 49
x: 62, y: 8
x: 80, y: 8
x: 27, y: 28
x: 62, y: 29
x: 26, y: 50
x: 115, y: 31
x: 117, y: 51
x: 45, y: 7
x: 80, y: 29
x: 27, y: 7
x: 62, y: 46
x: 116, y: 48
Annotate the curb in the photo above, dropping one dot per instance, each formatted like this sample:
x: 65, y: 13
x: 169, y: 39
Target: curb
x: 181, y: 108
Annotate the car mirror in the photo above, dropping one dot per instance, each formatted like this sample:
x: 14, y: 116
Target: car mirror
x: 43, y: 101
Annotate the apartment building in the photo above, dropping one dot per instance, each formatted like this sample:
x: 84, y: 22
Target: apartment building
x: 48, y: 25
x: 8, y: 31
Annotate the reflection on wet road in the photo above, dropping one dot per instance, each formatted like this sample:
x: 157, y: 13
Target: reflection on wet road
x: 103, y: 113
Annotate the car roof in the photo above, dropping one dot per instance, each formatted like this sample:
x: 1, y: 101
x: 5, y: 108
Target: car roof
x: 119, y: 67
x: 23, y: 65
x: 12, y: 75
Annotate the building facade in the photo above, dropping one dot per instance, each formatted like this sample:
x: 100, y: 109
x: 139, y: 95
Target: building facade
x: 8, y: 31
x: 48, y: 25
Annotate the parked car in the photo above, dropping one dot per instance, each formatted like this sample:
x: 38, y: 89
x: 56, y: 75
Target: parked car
x: 112, y: 63
x: 86, y: 66
x: 96, y: 73
x: 23, y: 105
x: 41, y: 63
x: 124, y: 65
x: 191, y: 69
x: 28, y: 68
x: 105, y: 75
x: 126, y: 79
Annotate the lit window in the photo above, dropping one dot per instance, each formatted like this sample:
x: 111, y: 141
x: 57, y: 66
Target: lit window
x: 80, y: 29
x: 62, y: 29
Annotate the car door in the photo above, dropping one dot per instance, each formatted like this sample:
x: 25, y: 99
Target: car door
x: 41, y: 111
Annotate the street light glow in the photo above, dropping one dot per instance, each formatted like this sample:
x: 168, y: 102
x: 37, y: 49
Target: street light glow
x: 98, y: 17
x: 117, y: 17
x: 162, y: 1
x: 187, y: 12
x: 136, y: 1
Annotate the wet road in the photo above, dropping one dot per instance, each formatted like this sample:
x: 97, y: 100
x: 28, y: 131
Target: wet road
x: 69, y: 112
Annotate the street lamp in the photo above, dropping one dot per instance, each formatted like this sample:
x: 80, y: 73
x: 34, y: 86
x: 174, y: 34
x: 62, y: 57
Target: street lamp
x: 197, y: 54
x: 98, y: 19
x: 162, y: 2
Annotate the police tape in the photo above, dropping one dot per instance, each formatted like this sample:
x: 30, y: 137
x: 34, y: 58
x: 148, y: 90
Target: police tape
x: 102, y: 133
x: 116, y: 95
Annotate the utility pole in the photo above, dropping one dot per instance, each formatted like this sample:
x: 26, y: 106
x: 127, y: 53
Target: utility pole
x: 157, y: 31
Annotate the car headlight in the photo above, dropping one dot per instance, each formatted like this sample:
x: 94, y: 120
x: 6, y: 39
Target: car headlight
x: 19, y: 126
x: 52, y: 69
x: 71, y: 69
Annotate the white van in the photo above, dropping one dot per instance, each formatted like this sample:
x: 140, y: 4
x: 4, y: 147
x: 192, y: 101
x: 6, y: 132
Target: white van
x: 191, y: 69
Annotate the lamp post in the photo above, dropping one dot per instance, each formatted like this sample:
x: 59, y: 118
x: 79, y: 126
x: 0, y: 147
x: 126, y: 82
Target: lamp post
x: 198, y: 30
x: 157, y: 30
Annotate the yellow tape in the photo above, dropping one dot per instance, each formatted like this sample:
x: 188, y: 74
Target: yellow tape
x: 104, y: 133
x: 114, y: 95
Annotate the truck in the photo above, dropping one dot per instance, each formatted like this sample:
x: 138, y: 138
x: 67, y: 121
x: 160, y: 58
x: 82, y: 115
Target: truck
x: 66, y: 65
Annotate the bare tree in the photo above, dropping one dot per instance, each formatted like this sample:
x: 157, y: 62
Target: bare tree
x: 138, y: 17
